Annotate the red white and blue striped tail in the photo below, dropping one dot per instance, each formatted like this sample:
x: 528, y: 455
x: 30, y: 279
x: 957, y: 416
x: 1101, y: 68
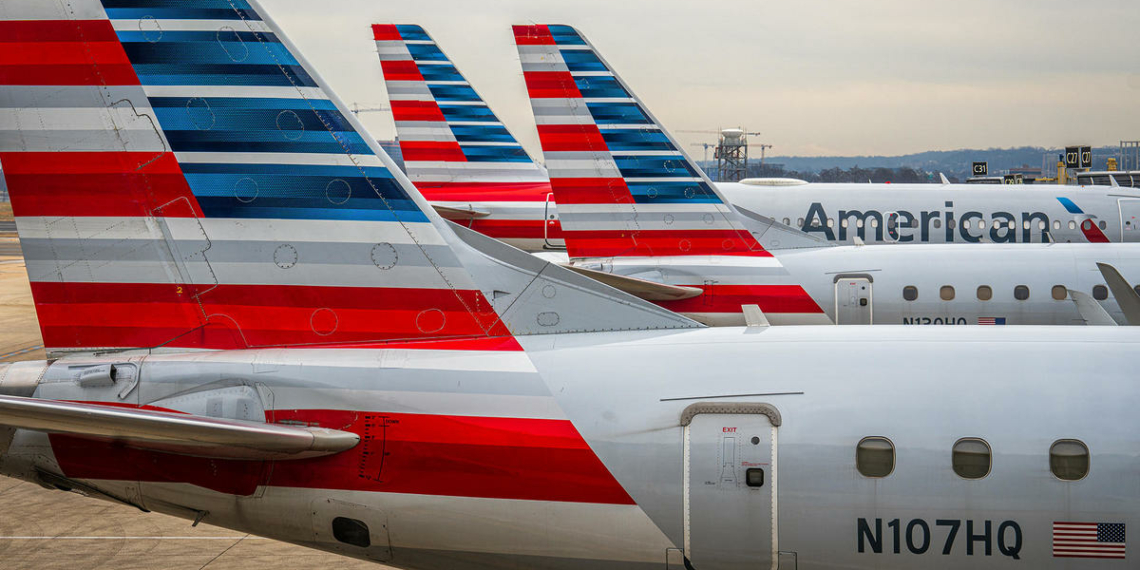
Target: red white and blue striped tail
x: 182, y: 179
x: 624, y: 186
x: 457, y: 152
x: 448, y: 135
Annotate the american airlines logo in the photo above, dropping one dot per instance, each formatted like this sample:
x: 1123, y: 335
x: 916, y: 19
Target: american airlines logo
x: 929, y: 225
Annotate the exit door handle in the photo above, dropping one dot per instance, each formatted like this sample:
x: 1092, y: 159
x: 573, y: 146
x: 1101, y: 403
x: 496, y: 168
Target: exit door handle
x: 754, y: 477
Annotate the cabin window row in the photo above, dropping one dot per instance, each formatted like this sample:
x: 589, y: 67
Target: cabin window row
x: 1020, y: 292
x: 972, y: 458
x: 980, y: 224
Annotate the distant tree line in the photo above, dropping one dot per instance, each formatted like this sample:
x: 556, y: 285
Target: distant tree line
x: 900, y: 175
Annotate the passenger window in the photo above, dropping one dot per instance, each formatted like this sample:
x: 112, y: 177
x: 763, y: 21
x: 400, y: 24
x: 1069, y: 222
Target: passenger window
x: 1072, y: 225
x: 985, y: 293
x: 1060, y: 292
x: 1021, y: 292
x: 1041, y: 226
x: 971, y: 458
x: 910, y: 292
x: 946, y: 292
x: 1056, y: 224
x: 351, y: 531
x: 914, y: 223
x: 787, y: 222
x: 875, y: 457
x: 950, y: 224
x: 831, y: 222
x: 800, y: 222
x: 1103, y: 225
x: 937, y: 224
x: 1100, y: 292
x: 843, y: 223
x: 997, y: 224
x: 1069, y: 460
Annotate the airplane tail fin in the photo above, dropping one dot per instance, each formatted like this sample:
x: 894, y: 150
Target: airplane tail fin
x: 623, y: 184
x: 453, y: 144
x: 181, y: 178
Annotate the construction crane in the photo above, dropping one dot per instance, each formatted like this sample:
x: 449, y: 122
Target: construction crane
x: 357, y: 109
x: 707, y: 147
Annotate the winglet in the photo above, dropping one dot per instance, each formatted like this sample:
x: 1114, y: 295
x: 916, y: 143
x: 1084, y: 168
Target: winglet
x: 1090, y: 310
x: 1126, y: 296
x: 754, y: 317
x: 945, y: 181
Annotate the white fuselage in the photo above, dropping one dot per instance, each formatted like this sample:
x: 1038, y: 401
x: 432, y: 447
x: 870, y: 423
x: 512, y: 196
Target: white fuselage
x: 955, y: 213
x: 945, y: 284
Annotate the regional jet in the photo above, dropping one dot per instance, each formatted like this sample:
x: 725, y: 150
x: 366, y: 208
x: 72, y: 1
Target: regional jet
x: 345, y: 371
x: 463, y: 159
x: 638, y: 212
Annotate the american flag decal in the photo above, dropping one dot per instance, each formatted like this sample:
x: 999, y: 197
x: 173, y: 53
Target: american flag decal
x: 991, y: 320
x: 1088, y: 540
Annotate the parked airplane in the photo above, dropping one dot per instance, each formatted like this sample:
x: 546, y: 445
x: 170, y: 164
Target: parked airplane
x: 637, y: 212
x: 463, y: 159
x: 349, y: 373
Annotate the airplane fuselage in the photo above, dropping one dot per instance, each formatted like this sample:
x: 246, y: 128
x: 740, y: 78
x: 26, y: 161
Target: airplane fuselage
x: 957, y: 213
x: 917, y: 285
x: 471, y: 459
x: 874, y: 213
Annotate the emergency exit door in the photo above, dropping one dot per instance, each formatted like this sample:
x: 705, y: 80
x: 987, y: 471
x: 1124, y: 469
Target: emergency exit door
x: 853, y: 301
x: 730, y: 475
x: 1129, y: 219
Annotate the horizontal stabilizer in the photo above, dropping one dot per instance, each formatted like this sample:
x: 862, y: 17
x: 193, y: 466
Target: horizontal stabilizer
x: 1090, y: 310
x: 641, y: 288
x: 1126, y: 297
x: 169, y: 432
x: 459, y: 214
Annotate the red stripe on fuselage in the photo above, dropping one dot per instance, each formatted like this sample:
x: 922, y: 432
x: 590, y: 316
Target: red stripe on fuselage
x: 75, y: 314
x: 661, y: 243
x: 773, y: 299
x: 95, y: 184
x: 551, y: 85
x: 1092, y: 232
x: 476, y: 192
x: 516, y: 229
x: 457, y: 456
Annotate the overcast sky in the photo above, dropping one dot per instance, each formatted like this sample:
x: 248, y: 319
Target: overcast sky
x: 816, y: 78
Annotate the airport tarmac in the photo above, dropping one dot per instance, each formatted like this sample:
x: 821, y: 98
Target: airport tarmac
x: 45, y: 529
